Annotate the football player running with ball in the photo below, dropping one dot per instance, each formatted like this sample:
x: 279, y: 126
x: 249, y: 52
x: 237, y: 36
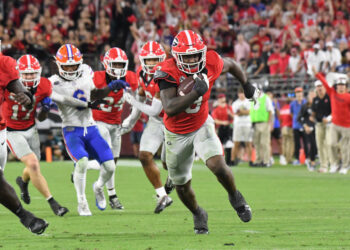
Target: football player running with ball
x: 108, y: 118
x: 75, y: 94
x: 9, y: 81
x: 22, y: 135
x: 189, y: 128
x: 153, y: 136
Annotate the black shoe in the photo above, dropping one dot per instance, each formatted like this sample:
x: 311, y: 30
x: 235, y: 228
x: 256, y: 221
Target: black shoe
x: 254, y: 165
x: 240, y: 205
x: 164, y: 202
x: 234, y: 163
x: 115, y: 203
x: 34, y: 224
x: 57, y: 208
x: 169, y: 186
x: 201, y: 222
x: 24, y: 190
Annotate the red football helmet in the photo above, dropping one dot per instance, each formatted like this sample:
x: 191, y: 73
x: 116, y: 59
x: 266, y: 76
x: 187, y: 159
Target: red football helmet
x: 29, y: 71
x: 115, y: 55
x: 188, y: 43
x: 151, y: 50
x: 69, y: 55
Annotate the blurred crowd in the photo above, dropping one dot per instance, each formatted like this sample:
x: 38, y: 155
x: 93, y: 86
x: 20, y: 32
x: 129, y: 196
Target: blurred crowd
x: 267, y: 37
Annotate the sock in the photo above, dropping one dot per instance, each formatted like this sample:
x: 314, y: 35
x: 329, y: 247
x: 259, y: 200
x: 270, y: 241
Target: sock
x: 112, y: 196
x: 80, y: 178
x: 160, y: 192
x: 106, y: 172
x: 49, y: 198
x: 110, y: 185
x: 79, y: 184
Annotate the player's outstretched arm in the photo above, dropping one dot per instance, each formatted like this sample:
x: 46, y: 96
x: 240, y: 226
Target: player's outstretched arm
x: 115, y: 85
x: 152, y: 110
x: 21, y: 94
x: 232, y: 67
x: 68, y: 100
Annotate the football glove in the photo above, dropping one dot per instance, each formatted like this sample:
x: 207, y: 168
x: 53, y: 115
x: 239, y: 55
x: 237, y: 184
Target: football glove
x: 46, y: 104
x: 96, y: 104
x: 118, y: 84
x: 201, y: 86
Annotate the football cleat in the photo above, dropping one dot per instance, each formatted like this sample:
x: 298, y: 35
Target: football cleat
x: 243, y: 210
x: 201, y: 222
x: 115, y: 204
x: 333, y: 169
x: 100, y: 197
x: 34, y: 224
x: 162, y: 203
x: 24, y: 190
x: 58, y: 209
x: 344, y: 170
x: 169, y: 186
x: 83, y: 209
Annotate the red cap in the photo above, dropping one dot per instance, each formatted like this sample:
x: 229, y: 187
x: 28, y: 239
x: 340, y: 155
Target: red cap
x: 221, y: 95
x: 298, y: 89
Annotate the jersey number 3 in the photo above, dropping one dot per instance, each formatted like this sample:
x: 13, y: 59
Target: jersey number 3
x: 195, y: 107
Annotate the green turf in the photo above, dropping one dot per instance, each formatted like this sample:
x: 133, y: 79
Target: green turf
x: 292, y: 209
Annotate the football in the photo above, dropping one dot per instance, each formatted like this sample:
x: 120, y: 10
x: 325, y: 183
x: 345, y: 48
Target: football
x: 186, y: 85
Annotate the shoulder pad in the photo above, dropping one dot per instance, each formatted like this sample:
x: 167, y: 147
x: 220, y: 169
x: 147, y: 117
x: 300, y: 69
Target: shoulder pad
x: 160, y: 75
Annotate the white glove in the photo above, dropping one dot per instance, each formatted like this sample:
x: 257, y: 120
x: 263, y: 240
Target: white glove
x: 129, y: 98
x: 126, y: 126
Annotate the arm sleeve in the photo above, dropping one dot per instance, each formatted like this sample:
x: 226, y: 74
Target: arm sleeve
x: 163, y: 84
x: 68, y: 100
x: 151, y: 110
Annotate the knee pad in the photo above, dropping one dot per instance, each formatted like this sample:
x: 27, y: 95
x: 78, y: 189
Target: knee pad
x: 81, y: 165
x: 109, y: 166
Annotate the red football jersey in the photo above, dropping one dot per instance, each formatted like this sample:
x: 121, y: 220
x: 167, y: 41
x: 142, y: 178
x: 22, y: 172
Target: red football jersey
x: 148, y: 85
x: 17, y: 116
x: 194, y: 116
x: 111, y: 112
x: 8, y: 73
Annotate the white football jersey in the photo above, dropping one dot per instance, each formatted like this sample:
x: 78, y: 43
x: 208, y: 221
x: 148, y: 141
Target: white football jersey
x: 80, y: 89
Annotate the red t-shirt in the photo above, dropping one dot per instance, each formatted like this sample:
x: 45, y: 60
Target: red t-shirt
x: 286, y: 116
x: 111, y: 112
x: 8, y: 73
x: 194, y: 116
x: 275, y: 68
x: 340, y: 104
x: 222, y: 113
x: 284, y: 64
x: 17, y: 116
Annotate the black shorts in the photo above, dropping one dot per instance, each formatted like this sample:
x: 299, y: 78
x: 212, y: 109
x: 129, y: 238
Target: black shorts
x: 276, y: 133
x: 135, y: 137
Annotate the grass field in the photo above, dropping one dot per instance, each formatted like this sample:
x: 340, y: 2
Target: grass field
x: 292, y: 209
